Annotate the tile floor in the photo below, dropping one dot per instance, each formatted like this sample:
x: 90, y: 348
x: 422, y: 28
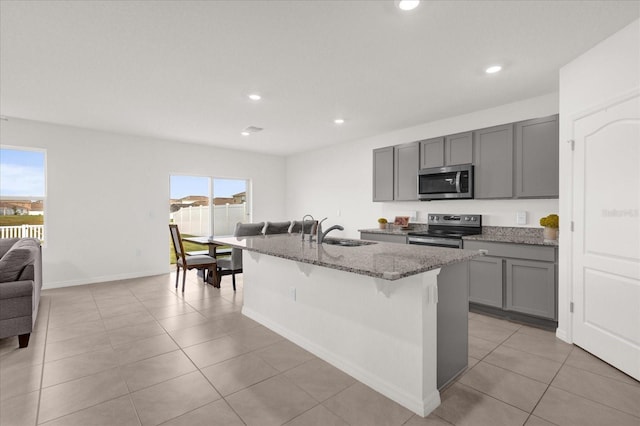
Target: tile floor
x: 136, y: 352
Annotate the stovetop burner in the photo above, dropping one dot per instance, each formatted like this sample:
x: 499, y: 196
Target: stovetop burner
x: 451, y: 226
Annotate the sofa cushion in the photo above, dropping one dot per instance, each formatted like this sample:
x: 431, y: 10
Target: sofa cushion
x: 22, y: 253
x: 6, y: 244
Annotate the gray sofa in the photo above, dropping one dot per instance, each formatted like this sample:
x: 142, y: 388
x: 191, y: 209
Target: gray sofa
x: 20, y: 285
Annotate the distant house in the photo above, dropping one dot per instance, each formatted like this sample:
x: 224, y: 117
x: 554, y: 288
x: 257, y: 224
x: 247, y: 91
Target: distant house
x: 200, y: 200
x: 21, y: 207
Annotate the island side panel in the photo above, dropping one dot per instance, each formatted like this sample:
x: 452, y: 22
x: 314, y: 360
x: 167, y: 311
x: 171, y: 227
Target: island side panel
x: 453, y: 322
x: 381, y: 332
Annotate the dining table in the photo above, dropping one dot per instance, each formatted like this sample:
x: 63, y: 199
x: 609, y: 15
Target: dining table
x: 213, y: 251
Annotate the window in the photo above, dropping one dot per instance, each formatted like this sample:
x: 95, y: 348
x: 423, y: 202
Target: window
x: 22, y: 192
x: 193, y: 198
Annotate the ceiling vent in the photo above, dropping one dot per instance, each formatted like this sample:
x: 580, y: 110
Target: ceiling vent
x: 253, y: 129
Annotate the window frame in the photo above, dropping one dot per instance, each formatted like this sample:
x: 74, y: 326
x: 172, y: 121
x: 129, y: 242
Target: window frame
x: 44, y: 197
x: 211, y: 188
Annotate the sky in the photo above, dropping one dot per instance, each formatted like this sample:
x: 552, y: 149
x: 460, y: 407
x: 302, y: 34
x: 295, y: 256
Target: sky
x: 182, y: 186
x: 22, y: 173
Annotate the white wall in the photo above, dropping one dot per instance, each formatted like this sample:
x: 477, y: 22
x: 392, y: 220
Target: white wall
x: 338, y: 178
x: 607, y: 71
x: 108, y: 196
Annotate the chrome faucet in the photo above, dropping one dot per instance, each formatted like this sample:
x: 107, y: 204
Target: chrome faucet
x: 310, y: 230
x: 322, y: 235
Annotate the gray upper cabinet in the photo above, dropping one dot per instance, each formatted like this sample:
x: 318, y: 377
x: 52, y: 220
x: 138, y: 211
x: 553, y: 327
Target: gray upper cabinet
x: 406, y: 172
x: 458, y: 149
x: 537, y: 158
x: 494, y: 162
x: 383, y: 174
x: 447, y: 151
x: 516, y: 160
x: 432, y: 153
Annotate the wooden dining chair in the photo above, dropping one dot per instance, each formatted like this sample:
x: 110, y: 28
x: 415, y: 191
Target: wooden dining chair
x: 203, y: 262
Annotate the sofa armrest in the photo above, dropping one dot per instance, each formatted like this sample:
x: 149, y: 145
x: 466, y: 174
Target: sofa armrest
x: 13, y: 289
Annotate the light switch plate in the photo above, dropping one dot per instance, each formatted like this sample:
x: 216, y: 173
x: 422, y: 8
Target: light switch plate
x: 521, y: 218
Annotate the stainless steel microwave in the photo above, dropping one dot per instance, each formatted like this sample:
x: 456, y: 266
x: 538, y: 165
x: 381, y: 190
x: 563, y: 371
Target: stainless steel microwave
x: 443, y: 183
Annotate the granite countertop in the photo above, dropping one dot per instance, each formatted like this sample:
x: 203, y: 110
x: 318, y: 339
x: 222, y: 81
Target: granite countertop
x: 380, y: 260
x: 400, y: 231
x: 506, y: 234
x: 396, y: 229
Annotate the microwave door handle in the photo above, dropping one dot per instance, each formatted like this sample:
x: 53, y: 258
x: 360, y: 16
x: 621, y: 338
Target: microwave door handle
x: 458, y: 174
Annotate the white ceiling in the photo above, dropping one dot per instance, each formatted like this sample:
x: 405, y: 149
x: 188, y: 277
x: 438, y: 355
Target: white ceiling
x: 181, y: 70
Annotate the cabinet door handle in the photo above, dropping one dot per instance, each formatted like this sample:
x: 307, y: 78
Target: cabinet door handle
x: 484, y: 251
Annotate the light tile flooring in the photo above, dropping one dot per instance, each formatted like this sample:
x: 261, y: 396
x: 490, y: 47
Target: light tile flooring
x: 138, y: 352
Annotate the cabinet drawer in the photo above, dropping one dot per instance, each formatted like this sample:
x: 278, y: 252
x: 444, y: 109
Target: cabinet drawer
x: 521, y: 251
x: 385, y: 238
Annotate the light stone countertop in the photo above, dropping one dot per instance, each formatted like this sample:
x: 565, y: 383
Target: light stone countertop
x: 506, y: 234
x: 498, y: 234
x: 380, y: 260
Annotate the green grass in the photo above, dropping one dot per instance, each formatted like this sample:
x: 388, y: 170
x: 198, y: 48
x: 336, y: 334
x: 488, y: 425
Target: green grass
x: 16, y: 220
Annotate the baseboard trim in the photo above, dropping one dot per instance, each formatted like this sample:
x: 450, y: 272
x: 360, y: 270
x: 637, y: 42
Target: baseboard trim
x: 422, y: 408
x: 101, y: 279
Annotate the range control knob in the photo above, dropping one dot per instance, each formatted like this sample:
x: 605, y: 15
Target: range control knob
x: 466, y: 218
x: 473, y: 219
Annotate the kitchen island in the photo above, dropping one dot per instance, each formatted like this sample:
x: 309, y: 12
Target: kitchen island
x: 394, y: 317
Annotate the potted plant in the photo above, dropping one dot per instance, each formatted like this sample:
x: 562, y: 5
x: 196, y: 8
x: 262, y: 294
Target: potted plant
x: 550, y: 224
x: 382, y: 222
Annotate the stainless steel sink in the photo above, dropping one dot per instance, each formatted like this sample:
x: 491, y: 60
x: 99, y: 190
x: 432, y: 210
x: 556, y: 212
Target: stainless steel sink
x: 346, y: 243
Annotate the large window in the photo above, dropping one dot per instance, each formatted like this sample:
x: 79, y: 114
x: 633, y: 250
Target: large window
x: 206, y: 206
x: 22, y: 192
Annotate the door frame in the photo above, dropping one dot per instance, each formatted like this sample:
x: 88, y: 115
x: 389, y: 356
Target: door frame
x: 566, y: 249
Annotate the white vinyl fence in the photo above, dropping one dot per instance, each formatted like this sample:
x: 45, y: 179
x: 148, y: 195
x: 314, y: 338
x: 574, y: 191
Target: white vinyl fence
x: 22, y: 231
x: 195, y: 220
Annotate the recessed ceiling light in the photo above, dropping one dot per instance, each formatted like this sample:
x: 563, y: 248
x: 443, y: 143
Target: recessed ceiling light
x: 255, y: 97
x: 407, y: 4
x: 493, y: 69
x: 338, y: 121
x: 251, y: 129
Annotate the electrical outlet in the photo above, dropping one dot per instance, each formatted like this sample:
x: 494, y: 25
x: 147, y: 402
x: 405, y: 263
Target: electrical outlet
x: 338, y: 213
x: 292, y: 293
x: 521, y: 218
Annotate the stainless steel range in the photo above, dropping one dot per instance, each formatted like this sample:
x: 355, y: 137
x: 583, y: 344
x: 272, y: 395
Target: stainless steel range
x: 447, y: 230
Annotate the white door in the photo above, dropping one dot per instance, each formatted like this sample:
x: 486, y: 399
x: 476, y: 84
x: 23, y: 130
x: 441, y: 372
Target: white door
x: 606, y: 237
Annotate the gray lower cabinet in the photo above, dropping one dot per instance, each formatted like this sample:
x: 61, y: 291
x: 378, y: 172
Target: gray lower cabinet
x: 405, y: 176
x: 486, y: 287
x: 537, y: 158
x: 383, y: 174
x: 385, y: 238
x: 494, y: 162
x: 531, y: 287
x: 514, y: 278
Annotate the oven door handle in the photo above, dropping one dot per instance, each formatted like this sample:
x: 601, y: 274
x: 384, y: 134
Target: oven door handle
x: 458, y: 175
